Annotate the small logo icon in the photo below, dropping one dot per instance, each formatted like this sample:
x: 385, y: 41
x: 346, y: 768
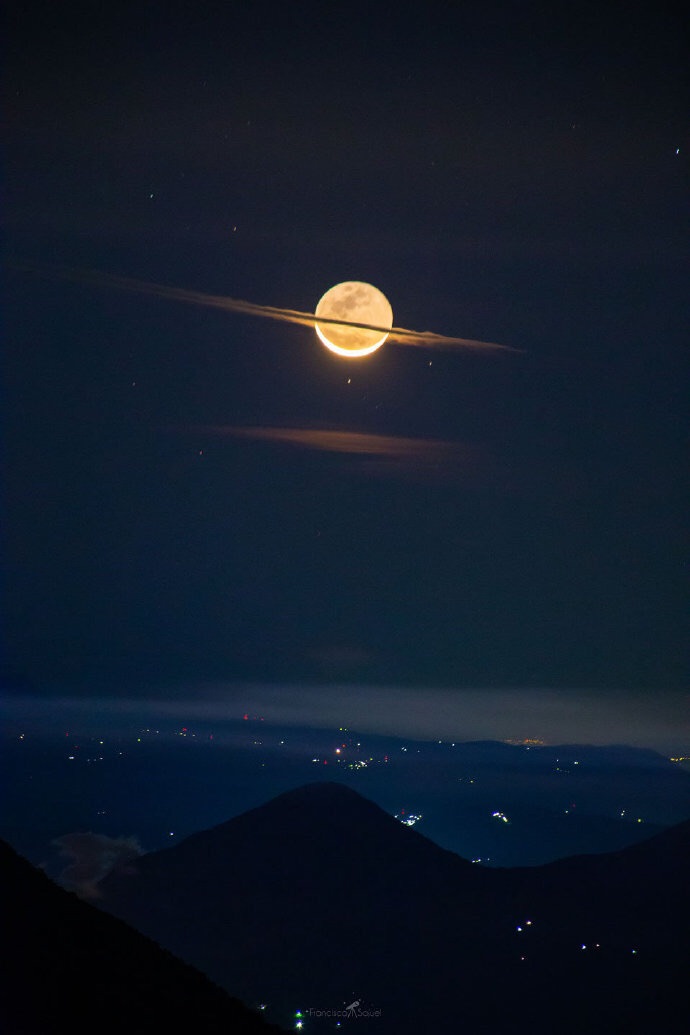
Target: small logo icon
x: 350, y: 1010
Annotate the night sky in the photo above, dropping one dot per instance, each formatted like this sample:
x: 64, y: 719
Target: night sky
x: 199, y: 498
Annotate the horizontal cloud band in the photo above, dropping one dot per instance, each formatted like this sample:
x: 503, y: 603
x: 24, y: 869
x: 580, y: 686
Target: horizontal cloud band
x: 400, y: 335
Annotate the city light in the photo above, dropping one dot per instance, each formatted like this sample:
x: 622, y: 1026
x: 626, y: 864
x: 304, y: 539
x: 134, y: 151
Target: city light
x: 410, y: 819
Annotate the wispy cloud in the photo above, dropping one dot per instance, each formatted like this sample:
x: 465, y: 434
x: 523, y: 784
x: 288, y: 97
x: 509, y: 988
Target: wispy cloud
x: 354, y: 442
x: 399, y: 335
x: 555, y: 715
x: 91, y: 857
x: 384, y: 454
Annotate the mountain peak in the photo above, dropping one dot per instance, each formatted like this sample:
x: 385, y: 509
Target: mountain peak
x: 319, y: 893
x: 317, y: 821
x: 322, y: 789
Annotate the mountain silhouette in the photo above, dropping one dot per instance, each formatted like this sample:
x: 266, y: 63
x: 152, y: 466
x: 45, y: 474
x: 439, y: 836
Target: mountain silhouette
x: 319, y: 897
x: 69, y: 966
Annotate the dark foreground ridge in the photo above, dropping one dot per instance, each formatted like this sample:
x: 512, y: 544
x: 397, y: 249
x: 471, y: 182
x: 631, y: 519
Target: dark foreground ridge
x: 70, y: 967
x: 319, y: 897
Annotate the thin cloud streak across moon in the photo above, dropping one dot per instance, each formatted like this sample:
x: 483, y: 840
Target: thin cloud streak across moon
x: 399, y: 335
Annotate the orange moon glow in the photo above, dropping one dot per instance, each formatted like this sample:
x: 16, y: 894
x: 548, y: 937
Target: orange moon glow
x: 358, y: 303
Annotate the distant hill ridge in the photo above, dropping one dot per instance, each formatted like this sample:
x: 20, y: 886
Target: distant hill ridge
x: 328, y: 813
x: 69, y: 966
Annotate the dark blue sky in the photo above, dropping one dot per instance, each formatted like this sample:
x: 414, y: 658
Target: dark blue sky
x: 501, y: 172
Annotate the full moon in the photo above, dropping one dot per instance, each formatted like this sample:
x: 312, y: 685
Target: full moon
x: 357, y: 303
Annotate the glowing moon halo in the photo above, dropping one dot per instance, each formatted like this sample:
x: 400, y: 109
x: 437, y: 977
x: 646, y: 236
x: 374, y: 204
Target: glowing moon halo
x: 358, y: 303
